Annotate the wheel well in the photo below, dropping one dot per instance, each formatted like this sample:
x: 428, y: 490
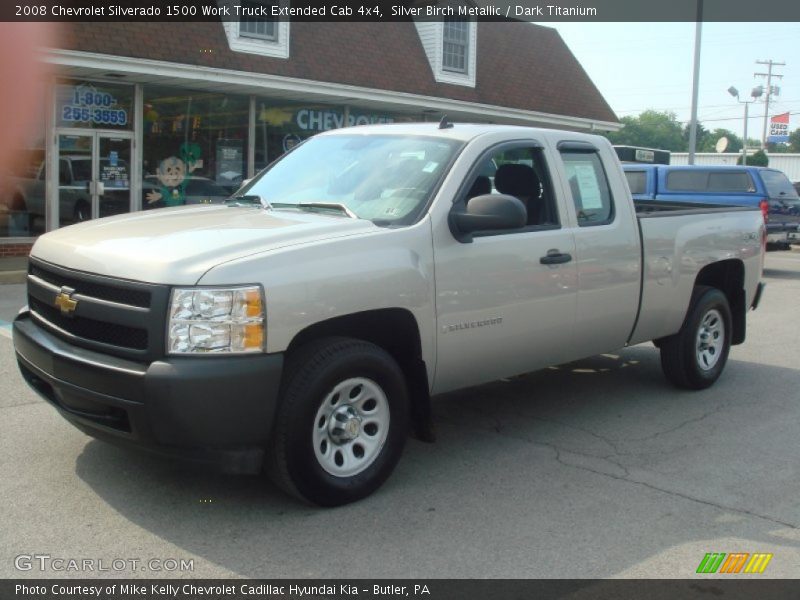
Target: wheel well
x: 396, y: 331
x: 728, y: 277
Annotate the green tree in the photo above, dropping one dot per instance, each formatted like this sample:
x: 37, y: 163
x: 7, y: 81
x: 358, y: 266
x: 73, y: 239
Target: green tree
x: 710, y: 141
x: 794, y: 141
x: 757, y: 159
x: 702, y: 136
x: 651, y: 129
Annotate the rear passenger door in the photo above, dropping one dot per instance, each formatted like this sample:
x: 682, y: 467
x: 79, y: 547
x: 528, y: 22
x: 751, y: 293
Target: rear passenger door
x: 607, y: 247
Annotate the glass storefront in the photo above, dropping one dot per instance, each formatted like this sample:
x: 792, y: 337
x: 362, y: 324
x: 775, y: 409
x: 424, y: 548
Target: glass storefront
x: 195, y: 146
x: 280, y: 127
x: 22, y: 187
x: 94, y: 135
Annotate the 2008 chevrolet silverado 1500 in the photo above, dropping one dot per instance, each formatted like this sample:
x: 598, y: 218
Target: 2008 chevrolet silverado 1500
x: 302, y: 328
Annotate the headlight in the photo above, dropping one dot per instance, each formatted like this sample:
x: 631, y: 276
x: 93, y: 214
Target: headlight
x: 216, y: 320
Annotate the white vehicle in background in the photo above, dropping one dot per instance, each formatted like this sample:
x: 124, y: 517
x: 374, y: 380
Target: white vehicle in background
x: 28, y: 197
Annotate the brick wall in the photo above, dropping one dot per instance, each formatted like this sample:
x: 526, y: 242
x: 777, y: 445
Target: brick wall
x: 9, y: 250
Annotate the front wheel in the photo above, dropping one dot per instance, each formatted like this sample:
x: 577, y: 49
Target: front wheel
x: 341, y: 423
x: 694, y: 357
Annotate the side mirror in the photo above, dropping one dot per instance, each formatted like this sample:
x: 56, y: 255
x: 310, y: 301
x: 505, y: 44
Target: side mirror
x: 486, y: 213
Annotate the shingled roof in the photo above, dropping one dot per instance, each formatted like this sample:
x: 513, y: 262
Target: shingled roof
x: 519, y: 65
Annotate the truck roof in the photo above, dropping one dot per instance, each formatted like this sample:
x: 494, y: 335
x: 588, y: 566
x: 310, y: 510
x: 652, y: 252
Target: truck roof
x: 459, y: 131
x: 642, y: 167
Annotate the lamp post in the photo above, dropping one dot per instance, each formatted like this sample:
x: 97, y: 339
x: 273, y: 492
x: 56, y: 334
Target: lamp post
x: 754, y: 93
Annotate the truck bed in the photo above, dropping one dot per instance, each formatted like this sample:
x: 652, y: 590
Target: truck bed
x: 678, y: 240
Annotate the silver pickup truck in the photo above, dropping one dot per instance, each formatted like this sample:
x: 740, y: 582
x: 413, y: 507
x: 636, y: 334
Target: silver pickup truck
x: 302, y: 328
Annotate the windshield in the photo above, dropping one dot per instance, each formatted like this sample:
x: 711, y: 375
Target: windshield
x: 384, y: 178
x: 778, y: 186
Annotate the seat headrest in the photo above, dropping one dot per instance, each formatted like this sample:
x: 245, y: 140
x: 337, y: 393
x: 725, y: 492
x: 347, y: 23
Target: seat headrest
x: 517, y: 180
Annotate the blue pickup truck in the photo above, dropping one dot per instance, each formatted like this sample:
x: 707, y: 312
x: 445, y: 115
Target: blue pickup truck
x: 766, y: 188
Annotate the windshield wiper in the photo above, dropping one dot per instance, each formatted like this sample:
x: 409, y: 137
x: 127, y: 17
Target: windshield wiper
x: 249, y: 200
x: 329, y: 206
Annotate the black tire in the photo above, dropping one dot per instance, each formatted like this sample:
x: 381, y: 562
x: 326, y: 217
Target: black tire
x: 682, y: 361
x: 312, y: 374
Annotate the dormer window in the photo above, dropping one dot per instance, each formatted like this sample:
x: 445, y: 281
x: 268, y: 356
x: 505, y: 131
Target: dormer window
x: 455, y: 45
x: 258, y: 27
x: 450, y: 46
x: 257, y: 31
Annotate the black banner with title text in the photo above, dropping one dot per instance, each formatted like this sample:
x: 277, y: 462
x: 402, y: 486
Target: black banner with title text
x: 432, y: 589
x: 402, y: 10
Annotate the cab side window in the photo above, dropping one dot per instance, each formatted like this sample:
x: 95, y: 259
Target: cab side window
x: 520, y: 172
x: 588, y: 184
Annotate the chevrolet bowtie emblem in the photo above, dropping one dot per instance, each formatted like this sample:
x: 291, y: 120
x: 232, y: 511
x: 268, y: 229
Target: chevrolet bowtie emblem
x: 64, y: 301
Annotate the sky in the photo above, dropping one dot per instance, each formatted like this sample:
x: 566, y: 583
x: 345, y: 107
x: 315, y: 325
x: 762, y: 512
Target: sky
x: 639, y: 66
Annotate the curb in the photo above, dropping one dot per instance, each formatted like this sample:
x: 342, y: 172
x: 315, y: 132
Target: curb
x: 13, y: 276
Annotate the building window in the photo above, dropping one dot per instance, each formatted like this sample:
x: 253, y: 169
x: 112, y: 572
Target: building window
x: 194, y: 146
x: 455, y: 45
x: 256, y: 31
x: 23, y: 201
x: 256, y: 26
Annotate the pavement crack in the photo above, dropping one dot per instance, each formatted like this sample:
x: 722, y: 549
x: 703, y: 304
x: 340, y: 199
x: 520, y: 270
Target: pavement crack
x: 21, y: 404
x: 681, y: 425
x: 628, y: 479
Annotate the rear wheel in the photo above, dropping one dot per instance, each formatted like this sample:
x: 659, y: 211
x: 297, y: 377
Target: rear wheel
x: 341, y: 423
x: 694, y: 357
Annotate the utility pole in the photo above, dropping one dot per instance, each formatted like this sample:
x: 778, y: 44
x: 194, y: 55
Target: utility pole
x: 698, y: 33
x: 769, y: 75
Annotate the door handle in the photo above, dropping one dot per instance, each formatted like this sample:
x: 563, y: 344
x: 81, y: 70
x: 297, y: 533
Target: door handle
x: 555, y: 257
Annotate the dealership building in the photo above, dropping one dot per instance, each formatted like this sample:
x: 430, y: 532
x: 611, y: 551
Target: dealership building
x: 133, y: 108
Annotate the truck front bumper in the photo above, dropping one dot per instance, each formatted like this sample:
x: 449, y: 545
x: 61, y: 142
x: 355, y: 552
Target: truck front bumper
x: 216, y: 410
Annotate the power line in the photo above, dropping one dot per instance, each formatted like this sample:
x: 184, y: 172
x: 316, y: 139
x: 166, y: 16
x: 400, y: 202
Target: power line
x: 797, y: 112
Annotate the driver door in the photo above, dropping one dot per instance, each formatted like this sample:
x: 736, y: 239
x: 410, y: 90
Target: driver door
x: 502, y: 307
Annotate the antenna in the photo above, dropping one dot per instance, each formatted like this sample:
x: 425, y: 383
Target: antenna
x: 444, y: 123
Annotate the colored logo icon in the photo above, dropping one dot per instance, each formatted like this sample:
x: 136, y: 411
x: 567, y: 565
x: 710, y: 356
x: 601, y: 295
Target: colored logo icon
x: 736, y: 562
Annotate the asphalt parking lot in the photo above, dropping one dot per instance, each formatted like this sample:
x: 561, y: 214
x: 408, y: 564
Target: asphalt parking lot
x: 593, y: 469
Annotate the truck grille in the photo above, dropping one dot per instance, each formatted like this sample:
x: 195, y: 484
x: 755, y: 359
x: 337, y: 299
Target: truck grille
x: 128, y: 296
x: 89, y: 329
x: 114, y: 316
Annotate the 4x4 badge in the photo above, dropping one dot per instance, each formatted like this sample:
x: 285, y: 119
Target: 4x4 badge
x: 64, y: 301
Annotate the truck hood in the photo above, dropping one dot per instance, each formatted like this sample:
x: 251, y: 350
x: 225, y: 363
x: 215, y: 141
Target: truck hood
x: 178, y: 245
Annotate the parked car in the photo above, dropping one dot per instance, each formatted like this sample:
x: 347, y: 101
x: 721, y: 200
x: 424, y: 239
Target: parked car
x: 768, y: 189
x: 74, y: 197
x: 301, y: 334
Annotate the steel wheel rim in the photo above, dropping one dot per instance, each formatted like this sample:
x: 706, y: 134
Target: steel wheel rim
x: 351, y: 427
x: 710, y: 340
